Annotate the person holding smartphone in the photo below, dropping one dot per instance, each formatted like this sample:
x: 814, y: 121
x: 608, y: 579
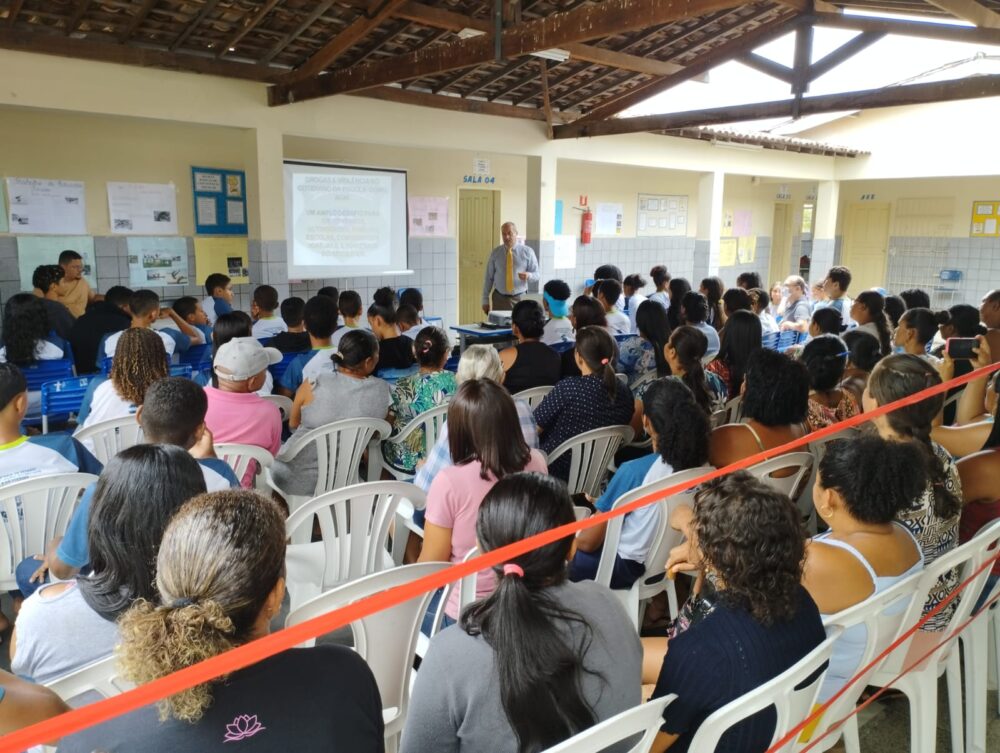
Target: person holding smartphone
x: 976, y: 427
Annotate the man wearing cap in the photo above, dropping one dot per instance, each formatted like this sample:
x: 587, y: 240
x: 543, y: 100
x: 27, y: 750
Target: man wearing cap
x: 235, y: 412
x: 509, y: 269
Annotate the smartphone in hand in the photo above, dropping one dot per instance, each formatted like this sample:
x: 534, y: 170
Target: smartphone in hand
x: 960, y: 348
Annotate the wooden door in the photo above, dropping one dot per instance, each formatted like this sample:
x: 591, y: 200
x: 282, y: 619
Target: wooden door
x: 781, y: 244
x: 478, y: 232
x: 866, y: 236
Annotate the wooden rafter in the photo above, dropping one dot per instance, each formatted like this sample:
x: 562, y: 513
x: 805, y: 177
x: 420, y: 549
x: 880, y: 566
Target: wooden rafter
x: 543, y: 74
x: 207, y: 7
x: 970, y: 10
x: 12, y: 14
x: 74, y: 21
x: 847, y: 50
x: 386, y: 35
x: 891, y: 96
x: 554, y: 30
x: 800, y: 69
x: 308, y: 21
x: 249, y: 24
x: 922, y: 29
x: 137, y: 19
x: 456, y: 104
x: 505, y: 71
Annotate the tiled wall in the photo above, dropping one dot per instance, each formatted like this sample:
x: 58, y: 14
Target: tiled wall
x: 917, y: 262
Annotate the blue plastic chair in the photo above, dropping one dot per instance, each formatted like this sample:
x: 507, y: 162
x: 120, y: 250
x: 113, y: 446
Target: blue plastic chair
x: 37, y: 373
x: 176, y: 369
x: 563, y: 347
x: 198, y: 357
x: 787, y: 339
x: 452, y: 364
x: 278, y: 369
x: 394, y: 375
x: 62, y: 397
x: 770, y: 340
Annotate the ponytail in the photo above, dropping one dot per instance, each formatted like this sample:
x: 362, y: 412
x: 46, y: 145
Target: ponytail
x: 875, y: 303
x: 600, y: 352
x: 356, y: 347
x: 690, y: 344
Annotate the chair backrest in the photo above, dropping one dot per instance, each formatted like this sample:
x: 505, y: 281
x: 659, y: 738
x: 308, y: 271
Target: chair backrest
x: 590, y: 453
x: 38, y: 373
x: 354, y: 522
x: 339, y: 450
x: 649, y: 376
x: 786, y: 473
x: 197, y: 356
x: 644, y: 719
x: 110, y: 437
x: 533, y: 396
x: 387, y: 639
x: 394, y: 375
x: 63, y: 396
x: 787, y: 339
x: 466, y: 593
x: 817, y: 448
x: 431, y: 421
x: 284, y: 404
x: 240, y: 456
x: 769, y: 340
x: 101, y: 677
x: 278, y: 369
x: 792, y: 694
x: 34, y: 512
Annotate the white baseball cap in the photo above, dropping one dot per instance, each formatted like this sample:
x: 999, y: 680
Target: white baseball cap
x: 242, y: 358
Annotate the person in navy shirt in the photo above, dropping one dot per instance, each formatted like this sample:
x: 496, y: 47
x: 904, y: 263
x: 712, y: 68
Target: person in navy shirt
x: 321, y: 320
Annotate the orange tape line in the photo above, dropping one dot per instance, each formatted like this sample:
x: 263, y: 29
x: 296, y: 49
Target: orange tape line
x: 262, y: 648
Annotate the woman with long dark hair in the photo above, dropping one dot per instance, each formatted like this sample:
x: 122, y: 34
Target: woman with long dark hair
x: 825, y: 358
x: 684, y: 352
x: 739, y: 339
x: 640, y: 354
x: 586, y: 312
x: 713, y: 289
x: 868, y: 310
x: 395, y: 350
x: 978, y: 411
x: 537, y: 660
x: 661, y: 279
x: 678, y: 287
x: 27, y: 335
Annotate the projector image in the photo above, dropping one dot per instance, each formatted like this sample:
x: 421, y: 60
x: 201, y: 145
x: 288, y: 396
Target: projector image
x: 499, y: 318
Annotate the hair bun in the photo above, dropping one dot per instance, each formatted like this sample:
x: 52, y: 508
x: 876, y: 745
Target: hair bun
x: 942, y: 317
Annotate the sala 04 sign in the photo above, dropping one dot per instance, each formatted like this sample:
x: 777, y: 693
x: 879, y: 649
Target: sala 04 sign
x: 479, y: 179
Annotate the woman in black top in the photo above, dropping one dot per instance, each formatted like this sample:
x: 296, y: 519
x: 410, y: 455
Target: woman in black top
x: 530, y: 363
x: 395, y: 350
x: 220, y: 577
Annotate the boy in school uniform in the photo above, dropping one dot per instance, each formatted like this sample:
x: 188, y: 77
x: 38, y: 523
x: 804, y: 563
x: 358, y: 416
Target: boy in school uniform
x: 608, y: 294
x: 555, y: 301
x: 262, y: 308
x: 835, y: 285
x: 320, y: 320
x: 190, y: 310
x: 145, y: 308
x: 408, y: 321
x: 350, y: 306
x: 294, y: 339
x: 45, y: 280
x: 173, y: 412
x: 220, y: 296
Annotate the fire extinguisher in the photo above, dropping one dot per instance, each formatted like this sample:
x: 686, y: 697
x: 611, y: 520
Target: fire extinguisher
x: 586, y: 222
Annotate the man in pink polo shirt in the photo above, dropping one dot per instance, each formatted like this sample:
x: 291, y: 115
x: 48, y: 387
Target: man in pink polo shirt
x: 235, y: 412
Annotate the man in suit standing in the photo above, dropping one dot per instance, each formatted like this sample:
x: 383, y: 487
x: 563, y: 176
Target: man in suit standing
x: 509, y: 269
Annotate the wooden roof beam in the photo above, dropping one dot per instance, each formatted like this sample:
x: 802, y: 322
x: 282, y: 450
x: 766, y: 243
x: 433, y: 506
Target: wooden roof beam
x: 555, y: 30
x: 455, y: 104
x: 290, y: 37
x: 249, y: 24
x: 74, y: 21
x: 137, y: 19
x: 970, y: 10
x: 14, y: 12
x: 891, y: 96
x: 922, y: 29
x: 206, y: 9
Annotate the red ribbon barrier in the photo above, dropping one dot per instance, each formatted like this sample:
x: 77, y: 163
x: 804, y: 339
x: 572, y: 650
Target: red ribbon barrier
x: 262, y: 648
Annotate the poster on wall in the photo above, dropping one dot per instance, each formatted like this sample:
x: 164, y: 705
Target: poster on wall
x: 156, y: 262
x: 728, y: 248
x: 985, y: 216
x: 36, y: 250
x: 220, y: 201
x: 46, y: 207
x: 608, y: 219
x: 565, y: 252
x: 746, y: 249
x: 742, y: 223
x: 428, y: 216
x: 662, y: 214
x: 143, y: 208
x: 225, y: 255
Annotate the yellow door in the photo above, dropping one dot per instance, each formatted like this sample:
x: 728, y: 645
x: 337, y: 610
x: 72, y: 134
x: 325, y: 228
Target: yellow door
x: 781, y: 244
x: 478, y: 232
x: 866, y: 236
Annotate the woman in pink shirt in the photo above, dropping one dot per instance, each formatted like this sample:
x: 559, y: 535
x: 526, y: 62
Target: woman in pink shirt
x: 486, y: 443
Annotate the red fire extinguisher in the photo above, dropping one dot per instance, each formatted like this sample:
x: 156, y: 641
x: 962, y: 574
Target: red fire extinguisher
x: 587, y: 222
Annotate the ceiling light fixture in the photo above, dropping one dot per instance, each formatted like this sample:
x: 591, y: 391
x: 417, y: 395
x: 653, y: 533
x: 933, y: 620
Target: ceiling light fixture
x: 560, y: 56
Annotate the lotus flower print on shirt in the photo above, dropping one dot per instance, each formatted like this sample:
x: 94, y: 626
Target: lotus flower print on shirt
x: 242, y: 727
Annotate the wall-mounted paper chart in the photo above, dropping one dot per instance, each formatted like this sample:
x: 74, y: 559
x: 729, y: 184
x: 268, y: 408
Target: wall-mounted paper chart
x: 157, y: 262
x: 36, y: 250
x: 143, y: 208
x: 46, y: 207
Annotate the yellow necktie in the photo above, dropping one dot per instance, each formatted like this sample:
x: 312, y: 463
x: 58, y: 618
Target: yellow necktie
x: 510, y: 270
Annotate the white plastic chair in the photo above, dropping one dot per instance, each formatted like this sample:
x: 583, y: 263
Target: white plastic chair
x: 107, y: 438
x: 975, y: 641
x: 284, y: 404
x: 817, y: 448
x: 797, y: 465
x: 920, y: 683
x: 354, y: 523
x: 590, y: 453
x: 466, y: 595
x: 431, y: 422
x: 239, y: 456
x: 792, y: 694
x: 644, y: 719
x: 533, y: 396
x: 387, y: 639
x: 32, y: 513
x: 340, y: 448
x: 99, y: 677
x: 882, y: 617
x: 652, y: 581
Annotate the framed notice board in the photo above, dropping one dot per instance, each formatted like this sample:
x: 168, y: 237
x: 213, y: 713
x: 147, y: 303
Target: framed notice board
x: 220, y: 201
x: 985, y: 219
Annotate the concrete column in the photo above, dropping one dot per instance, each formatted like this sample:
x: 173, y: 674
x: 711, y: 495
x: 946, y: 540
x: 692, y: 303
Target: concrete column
x: 263, y: 160
x: 707, y: 241
x: 825, y: 228
x: 540, y: 212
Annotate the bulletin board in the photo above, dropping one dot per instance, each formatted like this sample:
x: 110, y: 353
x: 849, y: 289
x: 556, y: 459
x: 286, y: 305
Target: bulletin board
x: 985, y: 219
x: 662, y: 214
x: 220, y: 201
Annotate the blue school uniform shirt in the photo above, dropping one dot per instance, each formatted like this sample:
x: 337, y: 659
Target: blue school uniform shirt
x: 629, y: 476
x: 307, y: 366
x: 73, y: 547
x: 44, y: 455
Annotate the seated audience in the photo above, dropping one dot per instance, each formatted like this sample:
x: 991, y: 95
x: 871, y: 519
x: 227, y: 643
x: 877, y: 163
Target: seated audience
x: 27, y: 334
x: 608, y: 292
x: 102, y: 318
x: 679, y: 430
x: 606, y: 272
x: 74, y: 290
x: 219, y: 584
x: 227, y: 327
x: 863, y: 352
x: 189, y: 309
x: 776, y: 301
x: 768, y: 421
x: 694, y: 308
x: 976, y: 414
x: 537, y: 660
x: 748, y: 281
x: 321, y: 321
x: 756, y: 619
x: 555, y: 300
x: 894, y: 308
x: 933, y: 515
x: 530, y: 363
x: 797, y: 310
x: 349, y: 306
x: 412, y: 395
x: 713, y: 288
x: 294, y: 339
x: 45, y: 280
x: 835, y: 286
x: 633, y: 298
x: 915, y: 298
x: 145, y: 308
x: 826, y: 321
x: 685, y: 353
x: 65, y: 626
x: 861, y: 486
x: 761, y: 307
x: 394, y: 350
x: 330, y: 291
x: 740, y: 338
x: 825, y: 358
x: 989, y: 312
x: 736, y: 299
x: 678, y: 287
x: 643, y: 353
x: 868, y: 311
x: 486, y: 444
x: 408, y: 321
x: 591, y: 401
x: 348, y: 392
x: 139, y: 361
x: 915, y: 332
x: 979, y: 473
x: 961, y: 320
x: 661, y: 280
x: 266, y: 323
x: 586, y: 312
x: 220, y: 296
x: 23, y: 703
x: 414, y: 298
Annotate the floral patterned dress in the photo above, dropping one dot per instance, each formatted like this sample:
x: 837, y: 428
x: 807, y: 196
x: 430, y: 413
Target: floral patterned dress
x: 411, y: 396
x: 820, y: 416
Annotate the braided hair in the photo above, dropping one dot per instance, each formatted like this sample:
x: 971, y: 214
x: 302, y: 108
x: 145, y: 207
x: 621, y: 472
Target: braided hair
x: 140, y: 359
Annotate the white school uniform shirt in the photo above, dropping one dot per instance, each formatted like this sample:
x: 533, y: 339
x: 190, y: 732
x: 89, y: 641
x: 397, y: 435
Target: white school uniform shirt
x: 169, y: 324
x: 208, y: 306
x: 112, y: 342
x: 273, y: 325
x: 618, y: 323
x: 662, y: 297
x: 633, y: 307
x: 558, y: 330
x: 321, y: 363
x: 44, y: 351
x: 105, y: 405
x: 338, y: 334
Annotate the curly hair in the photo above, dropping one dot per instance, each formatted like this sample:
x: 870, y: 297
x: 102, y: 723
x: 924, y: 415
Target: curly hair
x: 220, y: 558
x: 825, y: 357
x: 682, y: 427
x: 751, y: 535
x: 777, y: 389
x: 140, y: 359
x: 25, y: 322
